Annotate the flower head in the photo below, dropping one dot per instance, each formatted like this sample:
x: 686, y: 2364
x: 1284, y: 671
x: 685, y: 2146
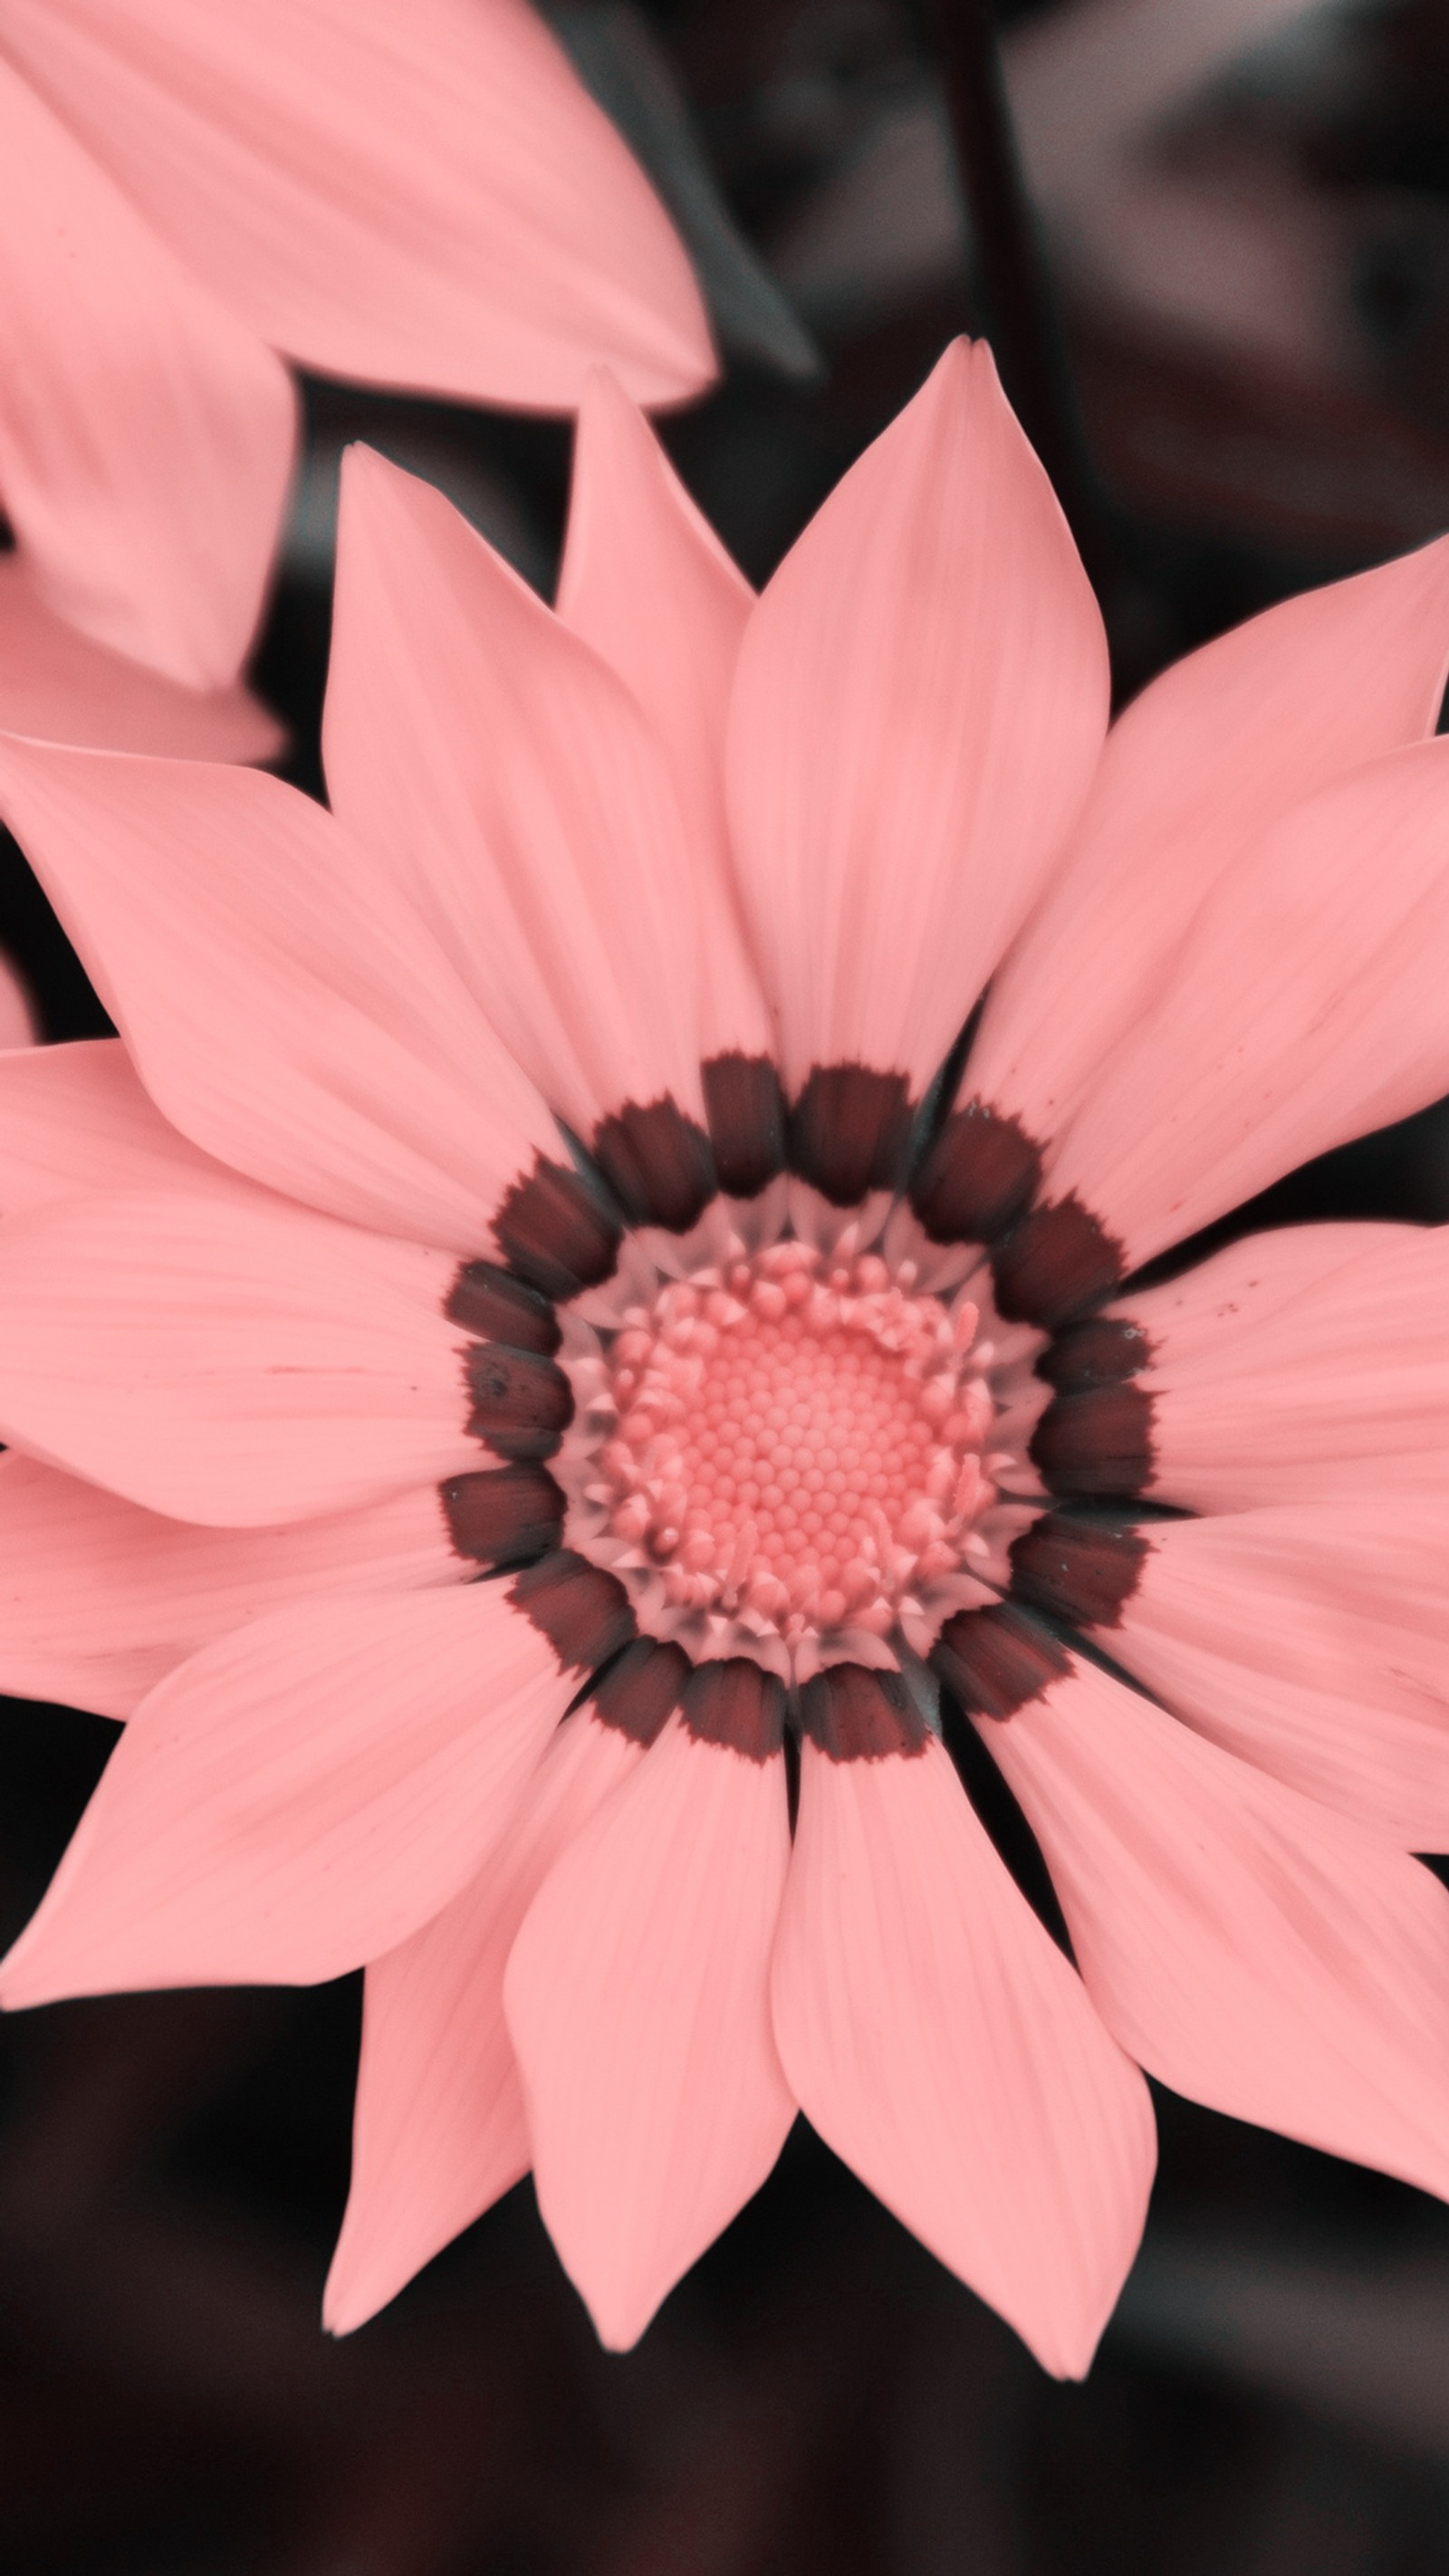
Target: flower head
x: 484, y: 1533
x: 408, y: 192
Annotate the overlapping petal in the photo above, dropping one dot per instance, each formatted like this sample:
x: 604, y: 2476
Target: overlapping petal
x: 283, y: 1001
x: 56, y: 684
x: 1251, y: 1948
x: 222, y: 1355
x: 920, y: 703
x: 100, y: 1600
x: 74, y: 1118
x: 939, y: 2041
x: 484, y: 755
x: 637, y: 2002
x: 1301, y: 1365
x: 298, y: 1798
x: 1191, y: 776
x: 420, y: 196
x: 439, y: 2129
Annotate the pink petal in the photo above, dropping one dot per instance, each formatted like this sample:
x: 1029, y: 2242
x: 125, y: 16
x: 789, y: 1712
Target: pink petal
x: 478, y: 750
x: 1195, y: 770
x: 439, y: 2131
x: 282, y: 1002
x: 940, y: 2043
x: 99, y: 1600
x: 422, y: 196
x: 226, y: 1357
x: 920, y: 703
x: 1251, y: 1948
x: 646, y: 581
x: 298, y: 1798
x: 74, y: 1118
x: 1313, y: 1641
x: 56, y: 684
x: 1306, y: 1008
x: 1303, y: 1365
x: 145, y: 434
x: 636, y: 1999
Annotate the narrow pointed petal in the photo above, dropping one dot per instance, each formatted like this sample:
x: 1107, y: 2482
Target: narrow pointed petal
x: 938, y: 2040
x: 1192, y: 774
x: 1314, y: 1642
x: 1304, y: 1365
x: 145, y: 434
x: 422, y: 197
x: 59, y: 686
x: 1251, y: 1948
x: 439, y: 2131
x: 637, y: 2003
x: 74, y: 1118
x: 920, y: 703
x: 298, y: 1798
x: 1306, y: 1008
x: 283, y: 1003
x: 486, y: 756
x: 100, y: 1600
x: 647, y: 583
x: 226, y: 1357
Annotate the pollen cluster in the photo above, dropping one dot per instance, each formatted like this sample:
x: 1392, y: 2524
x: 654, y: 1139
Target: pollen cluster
x: 800, y: 1441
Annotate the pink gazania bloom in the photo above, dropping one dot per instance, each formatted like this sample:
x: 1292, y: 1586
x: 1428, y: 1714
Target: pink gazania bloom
x: 406, y: 192
x: 759, y: 1418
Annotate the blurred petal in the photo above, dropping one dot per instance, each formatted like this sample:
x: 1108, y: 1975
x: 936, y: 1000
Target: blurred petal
x: 938, y: 2040
x: 638, y: 2009
x: 487, y: 758
x: 1307, y: 1008
x: 1304, y: 1365
x: 439, y: 2129
x: 99, y: 1600
x: 145, y: 435
x: 74, y: 1118
x: 1313, y: 1641
x: 280, y: 1000
x: 56, y: 684
x: 421, y: 196
x: 1251, y: 1948
x: 1194, y: 771
x: 297, y: 1798
x: 222, y: 1355
x: 920, y: 703
x: 646, y: 581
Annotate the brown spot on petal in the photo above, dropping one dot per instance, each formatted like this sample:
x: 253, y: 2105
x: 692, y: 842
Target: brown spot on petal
x: 503, y: 1516
x: 849, y: 1130
x: 497, y: 1307
x: 746, y: 1110
x: 978, y: 1177
x: 554, y: 1232
x: 640, y: 1691
x: 1098, y: 1352
x: 1083, y: 1571
x: 856, y: 1715
x: 1059, y: 1259
x: 736, y: 1703
x: 583, y: 1612
x: 996, y: 1660
x: 1098, y: 1441
x: 658, y: 1164
x: 521, y: 1402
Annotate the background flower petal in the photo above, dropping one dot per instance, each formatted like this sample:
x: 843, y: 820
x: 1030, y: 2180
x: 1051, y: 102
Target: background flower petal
x: 57, y: 684
x: 420, y: 196
x: 920, y: 702
x: 938, y: 2040
x: 297, y: 1798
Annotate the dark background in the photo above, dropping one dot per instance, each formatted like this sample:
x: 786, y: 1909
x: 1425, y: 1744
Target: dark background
x: 1249, y: 397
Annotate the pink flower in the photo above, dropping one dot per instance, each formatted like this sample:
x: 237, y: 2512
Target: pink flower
x: 305, y: 1288
x: 409, y: 192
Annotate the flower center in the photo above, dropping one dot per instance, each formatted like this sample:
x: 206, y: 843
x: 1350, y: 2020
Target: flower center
x: 799, y: 1441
